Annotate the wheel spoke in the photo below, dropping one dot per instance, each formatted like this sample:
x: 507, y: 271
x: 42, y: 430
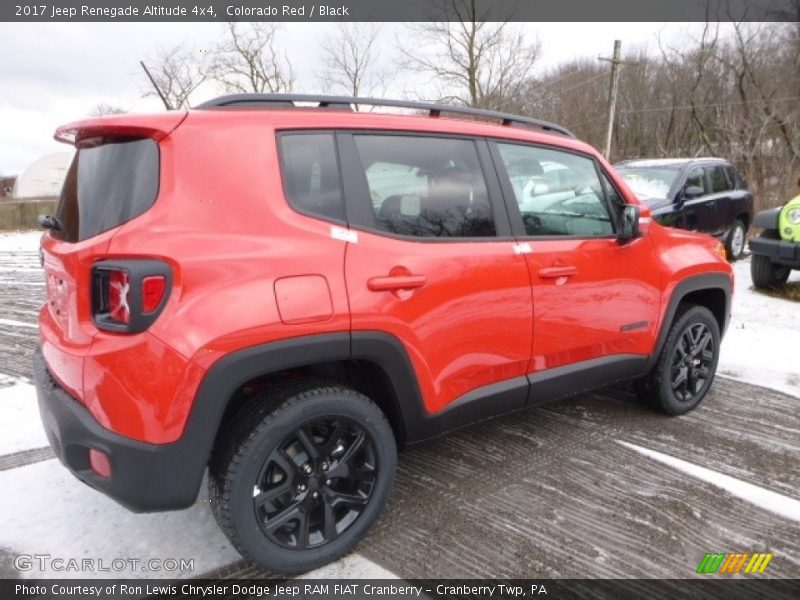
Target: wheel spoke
x: 336, y: 436
x: 702, y: 344
x: 357, y: 499
x: 308, y: 443
x: 691, y: 386
x: 286, y: 462
x: 329, y: 521
x: 302, y: 530
x: 354, y: 448
x: 679, y: 380
x: 271, y: 494
x: 285, y: 516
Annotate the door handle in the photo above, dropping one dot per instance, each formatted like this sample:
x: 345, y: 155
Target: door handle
x: 395, y: 282
x: 555, y: 272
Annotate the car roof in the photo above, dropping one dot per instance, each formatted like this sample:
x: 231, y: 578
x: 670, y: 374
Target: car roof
x: 668, y: 162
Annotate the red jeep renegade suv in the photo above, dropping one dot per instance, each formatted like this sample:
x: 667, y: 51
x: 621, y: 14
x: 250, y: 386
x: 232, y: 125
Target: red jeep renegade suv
x: 286, y: 294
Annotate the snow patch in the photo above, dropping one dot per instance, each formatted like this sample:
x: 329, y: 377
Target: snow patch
x: 779, y: 504
x: 19, y: 413
x: 761, y: 341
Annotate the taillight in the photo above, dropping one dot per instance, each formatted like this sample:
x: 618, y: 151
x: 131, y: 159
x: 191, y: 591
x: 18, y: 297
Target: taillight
x: 119, y: 297
x: 153, y: 288
x: 128, y: 295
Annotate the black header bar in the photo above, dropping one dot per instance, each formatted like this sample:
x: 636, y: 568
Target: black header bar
x: 397, y: 10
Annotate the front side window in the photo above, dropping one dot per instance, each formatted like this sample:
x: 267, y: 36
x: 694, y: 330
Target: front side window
x: 311, y: 174
x: 558, y: 193
x: 696, y: 179
x: 425, y: 186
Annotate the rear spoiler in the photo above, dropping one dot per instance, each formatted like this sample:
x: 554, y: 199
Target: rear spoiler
x: 156, y: 126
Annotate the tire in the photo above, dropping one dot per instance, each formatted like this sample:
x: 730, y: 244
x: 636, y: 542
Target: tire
x: 689, y: 359
x: 300, y: 475
x: 734, y: 243
x: 764, y: 273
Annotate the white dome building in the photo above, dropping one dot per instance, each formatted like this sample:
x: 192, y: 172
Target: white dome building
x: 43, y: 177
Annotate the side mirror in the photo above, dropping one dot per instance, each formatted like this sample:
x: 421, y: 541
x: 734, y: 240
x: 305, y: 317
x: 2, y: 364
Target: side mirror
x: 629, y: 223
x: 692, y: 191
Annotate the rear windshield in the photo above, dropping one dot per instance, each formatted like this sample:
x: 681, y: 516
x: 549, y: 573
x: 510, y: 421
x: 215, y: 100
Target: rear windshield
x: 110, y: 181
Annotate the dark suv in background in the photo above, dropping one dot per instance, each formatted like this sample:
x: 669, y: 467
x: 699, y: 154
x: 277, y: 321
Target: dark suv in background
x: 699, y: 194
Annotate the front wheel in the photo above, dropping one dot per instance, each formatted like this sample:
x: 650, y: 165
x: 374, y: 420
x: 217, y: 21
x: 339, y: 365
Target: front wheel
x: 301, y: 475
x: 734, y: 244
x: 687, y: 364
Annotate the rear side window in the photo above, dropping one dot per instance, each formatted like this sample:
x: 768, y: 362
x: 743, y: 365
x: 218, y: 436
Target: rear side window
x: 110, y: 181
x: 733, y: 177
x: 719, y: 181
x: 426, y: 186
x: 311, y: 174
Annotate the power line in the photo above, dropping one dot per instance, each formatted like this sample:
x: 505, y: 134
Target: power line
x: 689, y: 106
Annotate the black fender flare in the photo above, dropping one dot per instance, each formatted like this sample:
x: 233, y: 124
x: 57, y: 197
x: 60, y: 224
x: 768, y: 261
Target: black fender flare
x: 694, y: 283
x: 767, y: 219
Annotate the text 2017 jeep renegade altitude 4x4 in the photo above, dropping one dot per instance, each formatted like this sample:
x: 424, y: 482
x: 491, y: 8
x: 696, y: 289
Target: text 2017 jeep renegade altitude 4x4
x: 288, y: 294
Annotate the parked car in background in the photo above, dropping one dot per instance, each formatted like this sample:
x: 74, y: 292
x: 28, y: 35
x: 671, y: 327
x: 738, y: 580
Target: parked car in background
x: 698, y: 194
x: 776, y: 250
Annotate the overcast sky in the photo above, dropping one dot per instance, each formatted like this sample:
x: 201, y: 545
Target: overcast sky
x: 53, y: 73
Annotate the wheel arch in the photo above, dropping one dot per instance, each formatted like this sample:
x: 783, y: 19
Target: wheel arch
x: 711, y: 290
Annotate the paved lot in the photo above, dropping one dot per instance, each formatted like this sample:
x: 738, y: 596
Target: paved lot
x: 548, y: 492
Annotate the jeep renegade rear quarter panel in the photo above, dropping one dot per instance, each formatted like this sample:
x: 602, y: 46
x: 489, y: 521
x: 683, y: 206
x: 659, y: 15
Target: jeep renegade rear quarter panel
x: 65, y: 321
x: 238, y: 252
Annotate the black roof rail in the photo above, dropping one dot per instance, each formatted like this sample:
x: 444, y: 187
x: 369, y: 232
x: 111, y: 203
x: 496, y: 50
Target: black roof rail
x: 346, y: 102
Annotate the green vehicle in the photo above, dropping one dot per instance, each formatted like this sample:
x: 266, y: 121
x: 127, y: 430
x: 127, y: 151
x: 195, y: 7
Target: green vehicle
x: 777, y: 250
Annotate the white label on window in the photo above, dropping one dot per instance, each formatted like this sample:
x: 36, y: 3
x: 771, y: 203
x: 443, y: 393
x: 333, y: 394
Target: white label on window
x: 345, y: 235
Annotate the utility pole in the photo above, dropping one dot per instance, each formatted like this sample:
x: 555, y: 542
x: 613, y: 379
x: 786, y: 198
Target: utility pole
x: 155, y: 85
x: 615, y: 61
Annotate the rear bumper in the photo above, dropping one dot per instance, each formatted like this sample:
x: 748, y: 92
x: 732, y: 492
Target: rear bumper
x: 144, y: 477
x: 778, y: 251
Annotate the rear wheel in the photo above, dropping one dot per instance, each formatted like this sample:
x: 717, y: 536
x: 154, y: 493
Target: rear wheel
x: 687, y: 364
x: 734, y: 244
x: 764, y: 273
x: 301, y: 475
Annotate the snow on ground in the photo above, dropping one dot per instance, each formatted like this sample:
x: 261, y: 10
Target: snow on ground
x: 19, y: 240
x: 21, y: 428
x: 762, y: 337
x: 67, y: 519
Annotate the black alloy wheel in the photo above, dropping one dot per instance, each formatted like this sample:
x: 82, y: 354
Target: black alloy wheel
x: 300, y: 474
x: 686, y: 365
x: 315, y: 483
x: 692, y: 362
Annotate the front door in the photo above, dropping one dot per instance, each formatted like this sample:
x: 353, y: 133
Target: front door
x: 427, y: 264
x: 594, y: 299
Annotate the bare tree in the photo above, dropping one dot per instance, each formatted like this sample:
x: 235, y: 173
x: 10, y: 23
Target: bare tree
x: 249, y: 60
x: 351, y: 60
x: 102, y: 109
x: 472, y: 60
x: 177, y: 71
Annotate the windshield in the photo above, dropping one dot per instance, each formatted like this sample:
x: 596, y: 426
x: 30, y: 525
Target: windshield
x: 649, y: 182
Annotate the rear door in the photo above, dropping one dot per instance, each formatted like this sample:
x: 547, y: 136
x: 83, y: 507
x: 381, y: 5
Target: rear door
x: 595, y: 301
x: 700, y: 212
x: 432, y: 262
